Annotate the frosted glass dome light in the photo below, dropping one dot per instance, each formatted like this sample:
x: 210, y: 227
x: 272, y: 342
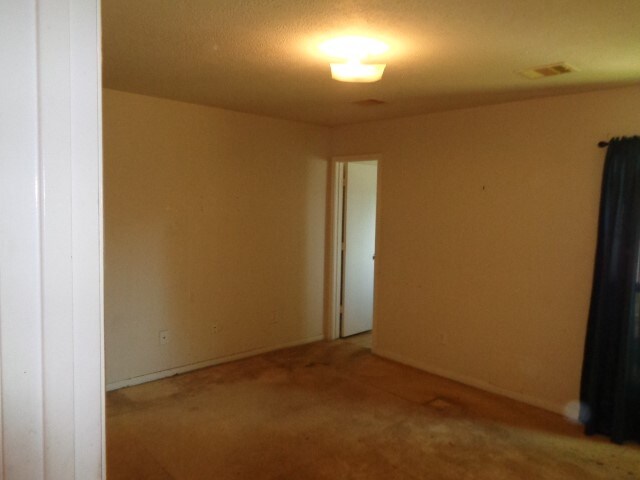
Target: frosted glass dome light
x: 356, y: 72
x: 354, y: 50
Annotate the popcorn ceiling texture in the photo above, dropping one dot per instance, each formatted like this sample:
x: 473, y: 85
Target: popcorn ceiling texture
x: 260, y: 56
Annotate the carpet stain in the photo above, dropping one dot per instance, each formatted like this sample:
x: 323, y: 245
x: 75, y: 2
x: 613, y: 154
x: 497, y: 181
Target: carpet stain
x: 332, y: 410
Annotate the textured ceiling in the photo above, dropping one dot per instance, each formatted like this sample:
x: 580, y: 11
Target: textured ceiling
x: 260, y: 56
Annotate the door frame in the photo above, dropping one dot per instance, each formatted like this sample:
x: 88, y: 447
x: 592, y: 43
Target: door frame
x: 51, y: 348
x: 334, y: 227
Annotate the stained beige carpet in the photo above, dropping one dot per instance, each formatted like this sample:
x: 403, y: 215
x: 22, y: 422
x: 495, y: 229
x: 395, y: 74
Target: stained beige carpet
x: 334, y: 411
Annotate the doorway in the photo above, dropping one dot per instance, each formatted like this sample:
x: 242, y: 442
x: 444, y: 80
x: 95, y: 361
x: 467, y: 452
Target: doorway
x: 355, y: 216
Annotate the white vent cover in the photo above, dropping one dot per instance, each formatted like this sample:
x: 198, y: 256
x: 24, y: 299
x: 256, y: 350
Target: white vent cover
x: 548, y: 70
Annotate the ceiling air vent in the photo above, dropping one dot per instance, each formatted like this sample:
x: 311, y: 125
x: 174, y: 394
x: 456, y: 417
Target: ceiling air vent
x: 547, y: 70
x: 369, y: 102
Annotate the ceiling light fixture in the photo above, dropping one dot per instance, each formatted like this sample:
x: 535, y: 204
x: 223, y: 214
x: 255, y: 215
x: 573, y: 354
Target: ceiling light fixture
x: 354, y: 71
x: 354, y: 50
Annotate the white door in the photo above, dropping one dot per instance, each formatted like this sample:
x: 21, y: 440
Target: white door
x: 359, y: 236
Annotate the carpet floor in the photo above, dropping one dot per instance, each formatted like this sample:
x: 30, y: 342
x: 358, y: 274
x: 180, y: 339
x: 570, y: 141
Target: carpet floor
x: 332, y: 410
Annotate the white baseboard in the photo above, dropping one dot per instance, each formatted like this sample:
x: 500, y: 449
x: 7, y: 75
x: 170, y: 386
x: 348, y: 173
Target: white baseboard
x: 473, y: 382
x: 150, y: 377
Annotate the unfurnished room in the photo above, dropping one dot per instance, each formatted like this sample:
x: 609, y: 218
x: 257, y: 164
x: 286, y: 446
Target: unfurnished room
x: 321, y: 240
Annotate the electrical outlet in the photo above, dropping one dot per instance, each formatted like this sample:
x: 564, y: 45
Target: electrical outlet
x: 164, y: 337
x: 215, y: 328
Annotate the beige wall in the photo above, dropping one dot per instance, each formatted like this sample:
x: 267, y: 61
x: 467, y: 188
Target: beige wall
x: 214, y: 231
x: 487, y: 237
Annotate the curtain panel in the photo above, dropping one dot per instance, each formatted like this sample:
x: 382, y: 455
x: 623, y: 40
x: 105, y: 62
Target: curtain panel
x: 610, y: 388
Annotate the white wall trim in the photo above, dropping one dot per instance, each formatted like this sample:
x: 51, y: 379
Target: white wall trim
x: 335, y: 254
x: 356, y: 158
x: 150, y: 377
x: 473, y: 382
x: 51, y: 361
